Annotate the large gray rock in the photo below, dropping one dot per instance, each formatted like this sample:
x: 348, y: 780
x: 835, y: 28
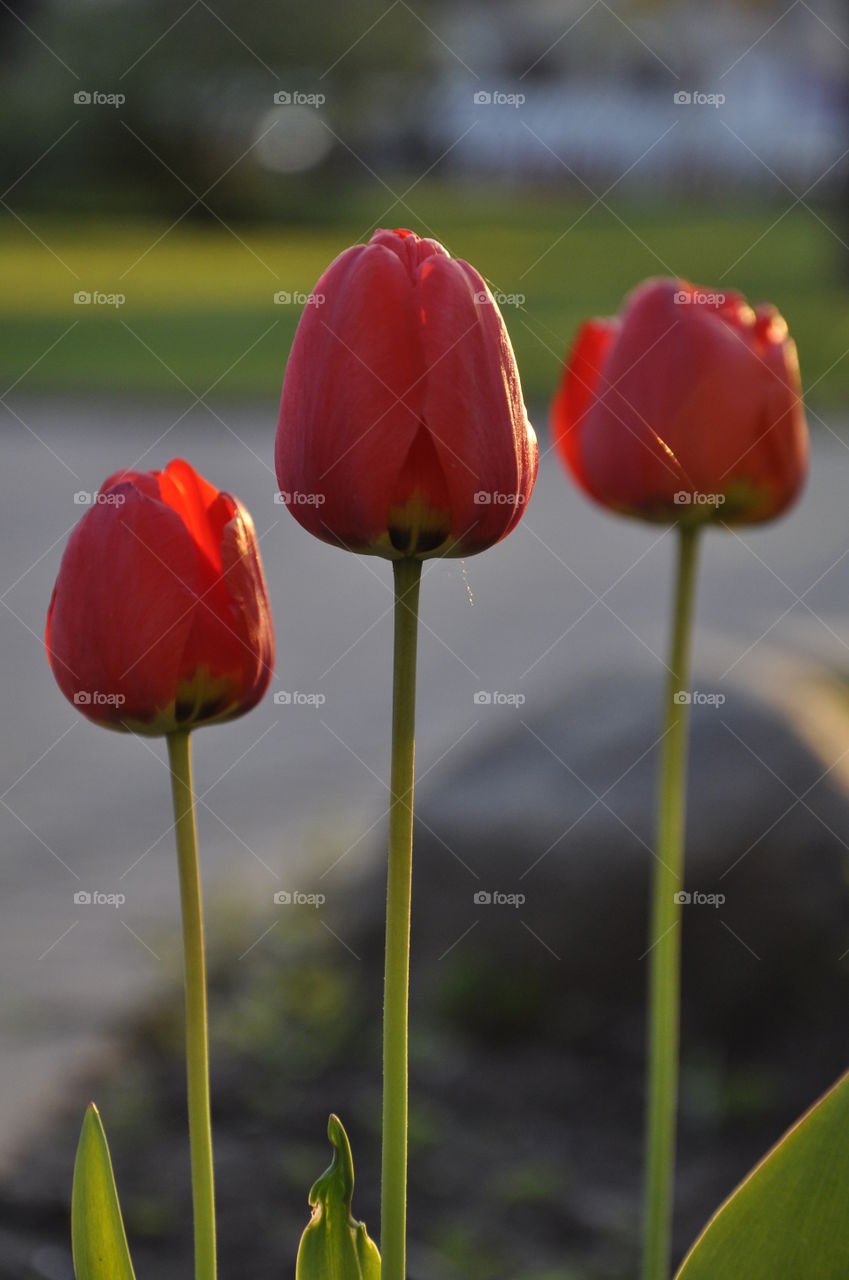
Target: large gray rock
x: 559, y: 809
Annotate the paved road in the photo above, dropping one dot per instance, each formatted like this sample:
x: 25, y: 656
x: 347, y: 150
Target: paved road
x: 571, y: 591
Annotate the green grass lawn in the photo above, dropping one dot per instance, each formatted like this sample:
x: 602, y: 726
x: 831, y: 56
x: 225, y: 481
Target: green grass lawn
x: 200, y: 301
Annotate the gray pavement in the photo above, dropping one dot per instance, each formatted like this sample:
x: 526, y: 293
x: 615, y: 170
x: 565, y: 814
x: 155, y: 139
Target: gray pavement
x: 296, y: 793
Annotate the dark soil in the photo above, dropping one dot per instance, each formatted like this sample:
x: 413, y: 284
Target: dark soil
x: 526, y: 1116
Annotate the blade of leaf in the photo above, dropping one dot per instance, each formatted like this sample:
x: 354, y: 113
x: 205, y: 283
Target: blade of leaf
x: 790, y: 1217
x: 334, y: 1245
x: 98, y: 1238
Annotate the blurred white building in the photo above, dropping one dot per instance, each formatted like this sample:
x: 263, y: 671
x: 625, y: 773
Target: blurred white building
x: 681, y: 94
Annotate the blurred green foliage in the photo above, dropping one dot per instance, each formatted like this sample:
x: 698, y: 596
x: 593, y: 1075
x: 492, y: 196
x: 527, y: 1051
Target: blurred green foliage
x: 196, y: 79
x: 200, y: 309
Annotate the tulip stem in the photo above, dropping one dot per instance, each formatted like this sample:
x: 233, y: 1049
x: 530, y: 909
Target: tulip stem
x: 665, y: 931
x: 197, y: 1039
x: 393, y: 1207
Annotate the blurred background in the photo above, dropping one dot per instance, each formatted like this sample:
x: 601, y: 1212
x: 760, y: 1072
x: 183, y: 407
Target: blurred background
x: 174, y: 180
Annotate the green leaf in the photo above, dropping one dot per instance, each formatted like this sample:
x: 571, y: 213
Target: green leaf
x: 334, y: 1245
x: 97, y: 1230
x: 790, y: 1217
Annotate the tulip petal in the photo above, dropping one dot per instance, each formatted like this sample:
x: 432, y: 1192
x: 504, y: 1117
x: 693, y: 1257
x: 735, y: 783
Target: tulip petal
x: 403, y: 338
x: 473, y: 406
x: 249, y: 609
x: 352, y: 396
x: 693, y: 411
x: 419, y: 516
x: 160, y: 616
x: 118, y: 626
x: 192, y: 497
x: 579, y: 385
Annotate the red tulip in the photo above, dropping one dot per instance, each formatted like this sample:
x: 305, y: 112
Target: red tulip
x: 686, y: 407
x: 402, y: 427
x: 159, y: 618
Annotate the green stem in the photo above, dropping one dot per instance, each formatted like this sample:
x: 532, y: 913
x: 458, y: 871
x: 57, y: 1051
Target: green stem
x: 393, y: 1208
x: 197, y: 1040
x: 665, y: 933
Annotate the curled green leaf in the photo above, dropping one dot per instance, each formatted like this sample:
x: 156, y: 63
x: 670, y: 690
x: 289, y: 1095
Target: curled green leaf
x: 98, y: 1239
x: 334, y: 1245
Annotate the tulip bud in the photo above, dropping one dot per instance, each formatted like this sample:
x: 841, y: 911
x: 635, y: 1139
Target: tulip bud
x: 685, y: 408
x: 402, y: 427
x: 159, y: 618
